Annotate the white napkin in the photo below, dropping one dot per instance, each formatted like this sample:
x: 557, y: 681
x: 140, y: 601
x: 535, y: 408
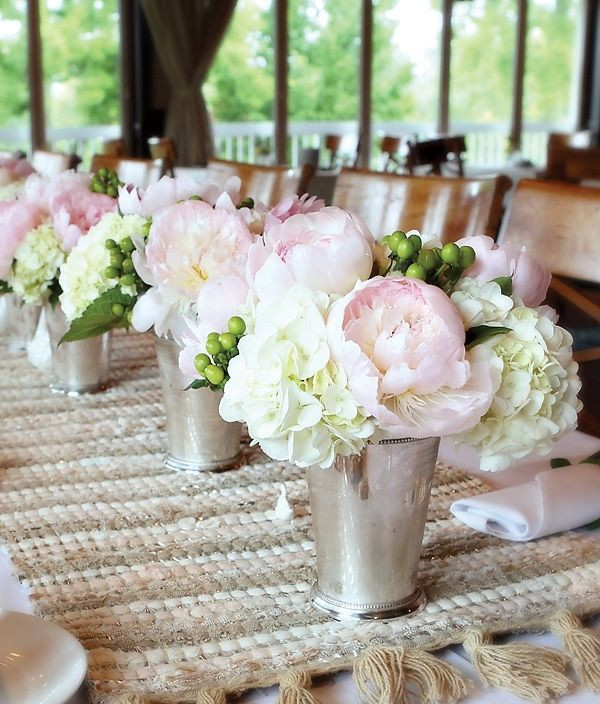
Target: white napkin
x: 556, y: 500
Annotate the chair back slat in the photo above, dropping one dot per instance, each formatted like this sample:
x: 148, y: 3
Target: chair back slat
x: 449, y: 208
x: 559, y: 223
x: 139, y: 172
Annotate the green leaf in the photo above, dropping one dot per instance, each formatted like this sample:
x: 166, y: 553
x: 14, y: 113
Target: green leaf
x: 481, y: 333
x: 197, y: 384
x: 5, y: 287
x: 592, y: 459
x: 594, y: 525
x: 505, y: 283
x: 55, y: 291
x: 558, y: 462
x: 98, y: 317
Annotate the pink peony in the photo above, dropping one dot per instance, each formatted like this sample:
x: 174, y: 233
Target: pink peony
x: 17, y: 217
x: 14, y: 170
x: 293, y: 205
x: 192, y: 246
x: 401, y: 343
x: 328, y: 251
x: 530, y: 281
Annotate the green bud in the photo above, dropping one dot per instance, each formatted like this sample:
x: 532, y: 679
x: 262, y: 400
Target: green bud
x: 416, y: 271
x: 127, y: 245
x: 405, y: 249
x: 450, y: 253
x: 102, y: 173
x: 129, y: 316
x: 97, y: 187
x: 212, y: 336
x: 116, y: 258
x: 236, y: 325
x: 201, y: 361
x: 247, y: 203
x: 111, y: 272
x: 118, y: 309
x: 227, y: 340
x: 110, y: 244
x: 111, y: 191
x: 466, y: 256
x: 127, y: 266
x: 213, y: 347
x: 127, y: 280
x: 395, y: 239
x: 417, y: 243
x: 385, y: 240
x: 427, y: 259
x: 214, y: 374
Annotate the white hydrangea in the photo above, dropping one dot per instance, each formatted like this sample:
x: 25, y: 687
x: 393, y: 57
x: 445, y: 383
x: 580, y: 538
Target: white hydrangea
x: 82, y: 277
x: 537, y: 401
x: 37, y: 261
x: 480, y: 302
x: 294, y: 399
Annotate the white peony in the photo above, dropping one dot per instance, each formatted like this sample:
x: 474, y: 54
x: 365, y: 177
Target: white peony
x: 536, y: 401
x: 82, y: 276
x: 37, y: 262
x: 294, y: 399
x: 480, y: 302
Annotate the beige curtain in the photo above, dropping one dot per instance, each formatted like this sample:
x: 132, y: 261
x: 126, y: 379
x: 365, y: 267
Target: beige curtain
x: 186, y: 35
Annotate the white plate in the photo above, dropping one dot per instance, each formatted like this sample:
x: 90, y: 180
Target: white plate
x: 40, y: 663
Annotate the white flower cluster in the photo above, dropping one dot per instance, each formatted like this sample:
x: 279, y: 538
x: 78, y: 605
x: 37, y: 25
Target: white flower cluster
x: 37, y: 262
x: 82, y: 277
x: 283, y: 384
x: 536, y: 401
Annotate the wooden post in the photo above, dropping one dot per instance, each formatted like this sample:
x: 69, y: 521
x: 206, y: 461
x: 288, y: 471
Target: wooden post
x: 126, y: 73
x: 516, y: 123
x: 281, y: 80
x: 366, y: 61
x: 443, y: 121
x: 35, y: 77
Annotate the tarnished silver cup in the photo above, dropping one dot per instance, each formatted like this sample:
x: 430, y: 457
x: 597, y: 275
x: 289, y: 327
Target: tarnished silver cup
x: 18, y: 321
x: 369, y: 513
x: 80, y: 367
x: 198, y: 438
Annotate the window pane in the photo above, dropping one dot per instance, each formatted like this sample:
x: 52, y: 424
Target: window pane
x: 240, y: 84
x: 481, y: 76
x: 324, y: 43
x: 80, y: 42
x: 14, y: 93
x: 550, y: 72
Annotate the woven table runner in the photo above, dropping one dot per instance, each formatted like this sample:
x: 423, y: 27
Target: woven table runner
x: 186, y: 585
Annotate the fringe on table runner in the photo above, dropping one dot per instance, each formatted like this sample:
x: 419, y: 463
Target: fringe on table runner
x: 382, y: 674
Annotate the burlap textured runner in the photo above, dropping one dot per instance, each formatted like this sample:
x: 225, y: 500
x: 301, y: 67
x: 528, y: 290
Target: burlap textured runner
x: 177, y: 582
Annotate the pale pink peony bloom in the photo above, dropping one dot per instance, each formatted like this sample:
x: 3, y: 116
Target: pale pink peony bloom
x: 192, y: 246
x: 530, y: 280
x: 17, y: 217
x: 401, y: 343
x: 14, y: 170
x: 328, y: 251
x: 293, y: 205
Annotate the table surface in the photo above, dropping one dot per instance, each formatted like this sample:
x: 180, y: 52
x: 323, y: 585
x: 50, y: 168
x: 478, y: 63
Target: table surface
x: 339, y: 689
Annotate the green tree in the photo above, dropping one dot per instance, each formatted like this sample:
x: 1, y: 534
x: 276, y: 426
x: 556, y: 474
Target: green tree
x: 14, y: 95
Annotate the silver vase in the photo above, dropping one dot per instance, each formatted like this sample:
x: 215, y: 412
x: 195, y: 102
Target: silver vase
x: 369, y: 513
x: 198, y: 438
x: 79, y: 367
x: 18, y: 321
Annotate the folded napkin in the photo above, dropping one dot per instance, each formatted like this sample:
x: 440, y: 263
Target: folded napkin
x: 556, y: 500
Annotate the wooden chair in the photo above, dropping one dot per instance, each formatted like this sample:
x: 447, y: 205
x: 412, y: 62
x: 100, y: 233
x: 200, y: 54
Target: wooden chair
x: 164, y: 148
x: 449, y: 208
x: 268, y: 184
x: 114, y: 147
x: 437, y: 153
x: 390, y: 149
x: 52, y: 163
x: 559, y: 225
x: 139, y: 172
x: 333, y: 142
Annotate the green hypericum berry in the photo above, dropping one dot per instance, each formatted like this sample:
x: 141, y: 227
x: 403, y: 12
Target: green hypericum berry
x: 417, y: 243
x: 129, y: 317
x: 416, y: 271
x: 111, y: 272
x: 214, y: 374
x: 111, y: 191
x: 466, y: 256
x: 116, y: 258
x: 427, y: 259
x: 97, y: 187
x: 212, y: 336
x: 236, y: 325
x: 127, y: 266
x: 127, y: 279
x: 405, y: 249
x: 103, y: 173
x: 201, y: 361
x: 127, y: 245
x: 118, y: 309
x: 385, y: 240
x: 450, y: 253
x: 110, y: 244
x: 395, y: 238
x: 228, y: 340
x: 213, y: 347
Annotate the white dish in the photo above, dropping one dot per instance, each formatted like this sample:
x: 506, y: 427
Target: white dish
x: 40, y: 663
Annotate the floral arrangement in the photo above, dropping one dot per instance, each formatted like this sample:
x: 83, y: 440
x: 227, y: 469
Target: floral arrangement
x: 173, y: 259
x: 342, y: 340
x: 38, y: 229
x: 13, y: 172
